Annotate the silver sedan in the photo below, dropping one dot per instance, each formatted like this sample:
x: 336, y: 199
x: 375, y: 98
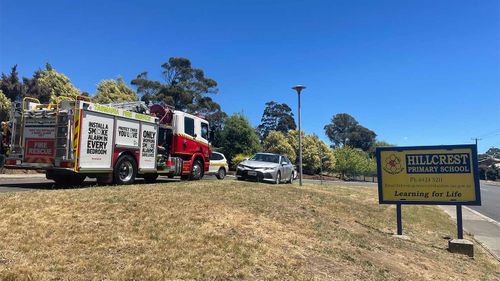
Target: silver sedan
x: 266, y: 167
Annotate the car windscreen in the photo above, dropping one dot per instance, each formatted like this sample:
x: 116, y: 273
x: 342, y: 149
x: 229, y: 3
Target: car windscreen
x: 266, y: 158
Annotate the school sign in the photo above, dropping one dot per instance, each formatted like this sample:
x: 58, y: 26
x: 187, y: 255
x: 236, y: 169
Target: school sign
x: 428, y: 175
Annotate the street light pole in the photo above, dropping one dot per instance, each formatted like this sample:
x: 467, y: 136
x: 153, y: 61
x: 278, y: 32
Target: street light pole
x: 299, y: 89
x: 320, y: 162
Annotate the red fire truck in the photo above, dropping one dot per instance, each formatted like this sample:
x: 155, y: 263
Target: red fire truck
x: 115, y: 143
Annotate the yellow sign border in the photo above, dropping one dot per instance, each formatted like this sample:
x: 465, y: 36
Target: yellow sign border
x: 407, y: 199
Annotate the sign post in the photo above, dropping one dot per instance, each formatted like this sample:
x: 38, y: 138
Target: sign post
x: 399, y: 219
x: 429, y: 175
x: 460, y: 229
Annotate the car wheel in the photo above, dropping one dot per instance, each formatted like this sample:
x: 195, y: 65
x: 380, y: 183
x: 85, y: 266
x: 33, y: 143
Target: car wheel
x: 278, y: 178
x: 291, y: 178
x: 221, y: 174
x: 125, y: 170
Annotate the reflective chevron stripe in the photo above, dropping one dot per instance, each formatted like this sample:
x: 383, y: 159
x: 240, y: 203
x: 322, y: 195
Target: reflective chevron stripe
x: 76, y: 136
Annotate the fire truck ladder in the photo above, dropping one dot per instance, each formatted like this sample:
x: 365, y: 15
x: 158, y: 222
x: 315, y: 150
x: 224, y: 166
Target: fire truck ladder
x: 16, y: 130
x: 134, y: 106
x: 62, y: 139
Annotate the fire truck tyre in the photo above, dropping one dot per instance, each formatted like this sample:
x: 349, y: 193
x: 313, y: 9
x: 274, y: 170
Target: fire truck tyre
x: 221, y: 174
x: 125, y: 170
x: 150, y: 178
x: 196, y: 170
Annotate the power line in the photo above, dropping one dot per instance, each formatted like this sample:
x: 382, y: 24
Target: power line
x: 493, y: 135
x: 494, y: 132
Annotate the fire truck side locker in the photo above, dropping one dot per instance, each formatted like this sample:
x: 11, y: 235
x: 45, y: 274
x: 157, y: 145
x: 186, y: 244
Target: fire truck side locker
x: 115, y: 142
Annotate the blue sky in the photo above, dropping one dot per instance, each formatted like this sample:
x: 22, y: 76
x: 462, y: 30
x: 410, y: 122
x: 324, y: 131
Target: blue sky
x: 416, y: 72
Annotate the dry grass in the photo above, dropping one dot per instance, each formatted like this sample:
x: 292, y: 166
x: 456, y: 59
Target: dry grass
x: 225, y: 230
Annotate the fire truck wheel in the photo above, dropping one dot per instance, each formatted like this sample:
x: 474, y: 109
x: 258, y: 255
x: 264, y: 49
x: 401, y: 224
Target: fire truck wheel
x: 196, y: 170
x: 150, y: 178
x: 125, y: 170
x: 221, y: 174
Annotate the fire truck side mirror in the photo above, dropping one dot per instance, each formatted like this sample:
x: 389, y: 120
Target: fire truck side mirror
x: 211, y: 136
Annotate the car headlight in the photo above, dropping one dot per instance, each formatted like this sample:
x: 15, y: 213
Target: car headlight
x: 240, y: 166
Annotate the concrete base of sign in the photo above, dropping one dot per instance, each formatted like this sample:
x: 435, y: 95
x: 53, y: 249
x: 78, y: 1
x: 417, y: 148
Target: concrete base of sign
x: 403, y: 237
x: 461, y: 246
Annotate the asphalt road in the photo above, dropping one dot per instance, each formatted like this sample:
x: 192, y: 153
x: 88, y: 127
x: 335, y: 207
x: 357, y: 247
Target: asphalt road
x: 490, y: 194
x: 490, y: 199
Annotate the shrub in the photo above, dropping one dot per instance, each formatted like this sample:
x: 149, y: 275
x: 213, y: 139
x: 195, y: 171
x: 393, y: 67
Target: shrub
x: 237, y: 159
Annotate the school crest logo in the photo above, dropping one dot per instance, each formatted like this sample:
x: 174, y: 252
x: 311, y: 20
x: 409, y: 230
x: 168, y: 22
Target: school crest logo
x: 392, y: 165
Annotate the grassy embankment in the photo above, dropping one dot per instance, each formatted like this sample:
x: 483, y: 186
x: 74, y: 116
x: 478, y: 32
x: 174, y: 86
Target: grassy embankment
x: 225, y: 230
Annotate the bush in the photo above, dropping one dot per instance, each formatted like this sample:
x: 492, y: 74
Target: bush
x: 238, y: 137
x: 276, y: 142
x: 482, y: 172
x: 314, y: 152
x: 237, y: 159
x: 353, y: 162
x: 493, y: 173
